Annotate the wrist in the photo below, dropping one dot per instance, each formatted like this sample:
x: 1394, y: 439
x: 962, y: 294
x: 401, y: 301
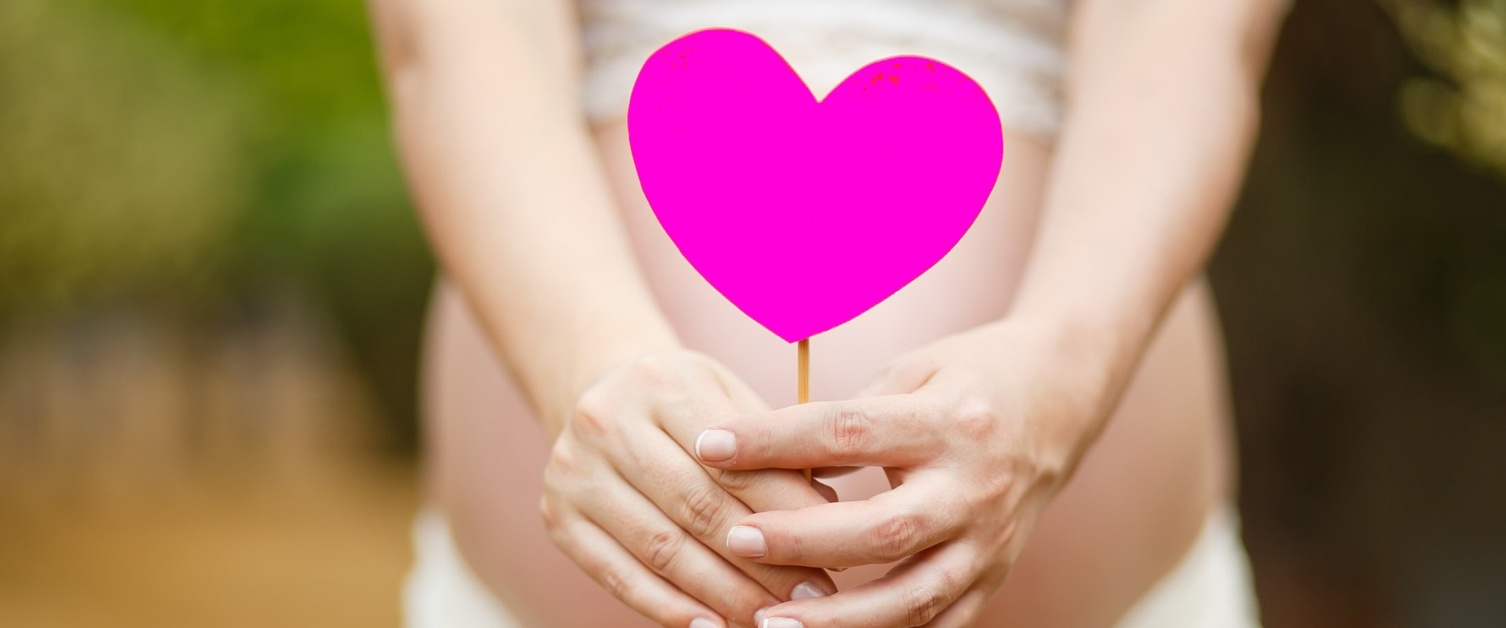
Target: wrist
x: 597, y: 354
x: 1071, y: 376
x: 1101, y: 342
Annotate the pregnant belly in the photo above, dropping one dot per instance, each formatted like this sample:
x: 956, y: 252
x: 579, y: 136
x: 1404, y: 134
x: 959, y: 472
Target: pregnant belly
x: 971, y: 285
x: 1134, y: 507
x: 1137, y: 503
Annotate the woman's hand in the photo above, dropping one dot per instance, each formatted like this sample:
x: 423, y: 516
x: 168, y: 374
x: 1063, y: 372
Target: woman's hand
x: 976, y: 433
x: 628, y: 503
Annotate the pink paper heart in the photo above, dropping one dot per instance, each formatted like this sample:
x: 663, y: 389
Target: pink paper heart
x: 807, y: 213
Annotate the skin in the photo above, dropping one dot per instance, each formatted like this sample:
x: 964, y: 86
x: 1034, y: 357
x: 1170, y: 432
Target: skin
x: 575, y: 359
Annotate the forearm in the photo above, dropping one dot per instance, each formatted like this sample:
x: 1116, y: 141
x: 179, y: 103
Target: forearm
x: 511, y: 192
x: 1164, y: 108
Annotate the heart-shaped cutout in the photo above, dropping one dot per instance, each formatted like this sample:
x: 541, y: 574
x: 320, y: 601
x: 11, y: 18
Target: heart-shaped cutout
x: 806, y: 213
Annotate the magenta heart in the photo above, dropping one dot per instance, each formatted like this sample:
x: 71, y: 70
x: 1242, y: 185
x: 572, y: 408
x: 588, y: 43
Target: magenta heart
x: 807, y: 213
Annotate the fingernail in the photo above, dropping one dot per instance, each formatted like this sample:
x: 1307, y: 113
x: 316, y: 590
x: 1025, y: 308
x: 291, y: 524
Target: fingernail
x: 780, y: 622
x: 702, y: 622
x: 715, y: 445
x: 758, y: 617
x: 746, y: 542
x: 806, y: 591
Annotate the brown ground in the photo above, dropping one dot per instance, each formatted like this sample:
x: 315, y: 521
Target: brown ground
x: 150, y: 477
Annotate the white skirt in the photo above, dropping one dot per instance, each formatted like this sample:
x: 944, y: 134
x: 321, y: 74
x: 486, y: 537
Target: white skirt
x: 1209, y: 588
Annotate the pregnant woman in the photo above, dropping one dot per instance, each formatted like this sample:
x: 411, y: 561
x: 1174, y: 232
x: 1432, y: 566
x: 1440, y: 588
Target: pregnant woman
x: 1041, y: 418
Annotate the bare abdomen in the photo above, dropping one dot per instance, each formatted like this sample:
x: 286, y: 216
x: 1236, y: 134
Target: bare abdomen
x: 1136, y: 505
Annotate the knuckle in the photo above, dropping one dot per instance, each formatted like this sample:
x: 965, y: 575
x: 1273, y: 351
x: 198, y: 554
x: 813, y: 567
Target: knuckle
x: 549, y: 513
x: 948, y: 580
x: 663, y: 550
x: 923, y: 602
x: 655, y: 370
x: 554, y: 525
x: 1011, y: 537
x: 992, y: 491
x: 914, y: 373
x: 564, y: 461
x: 906, y: 374
x: 851, y: 430
x: 974, y: 419
x: 616, y: 581
x: 738, y: 481
x: 748, y: 600
x: 593, y: 414
x: 897, y: 536
x: 706, y: 509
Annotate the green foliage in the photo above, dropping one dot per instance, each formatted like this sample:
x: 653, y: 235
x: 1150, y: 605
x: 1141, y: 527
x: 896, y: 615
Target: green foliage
x: 1463, y: 109
x: 121, y: 159
x: 194, y: 152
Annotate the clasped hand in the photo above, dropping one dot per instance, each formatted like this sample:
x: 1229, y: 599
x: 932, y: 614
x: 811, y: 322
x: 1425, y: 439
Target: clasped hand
x: 975, y: 432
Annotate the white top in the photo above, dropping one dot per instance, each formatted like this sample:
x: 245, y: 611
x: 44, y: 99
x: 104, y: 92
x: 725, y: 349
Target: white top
x: 1013, y: 48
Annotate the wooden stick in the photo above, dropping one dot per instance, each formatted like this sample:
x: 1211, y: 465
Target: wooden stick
x: 803, y: 385
x: 803, y: 392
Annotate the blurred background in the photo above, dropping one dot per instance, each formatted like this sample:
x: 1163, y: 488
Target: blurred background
x: 212, y: 286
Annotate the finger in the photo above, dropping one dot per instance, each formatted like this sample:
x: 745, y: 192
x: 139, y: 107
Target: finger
x: 683, y: 490
x: 892, y: 431
x: 964, y: 611
x: 667, y: 550
x: 833, y: 472
x: 612, y: 567
x: 744, y: 399
x: 912, y: 594
x: 890, y: 526
x: 760, y: 490
x: 769, y: 489
x: 826, y: 491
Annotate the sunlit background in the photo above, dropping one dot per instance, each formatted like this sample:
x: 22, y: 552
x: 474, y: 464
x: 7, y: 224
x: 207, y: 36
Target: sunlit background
x: 211, y: 289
